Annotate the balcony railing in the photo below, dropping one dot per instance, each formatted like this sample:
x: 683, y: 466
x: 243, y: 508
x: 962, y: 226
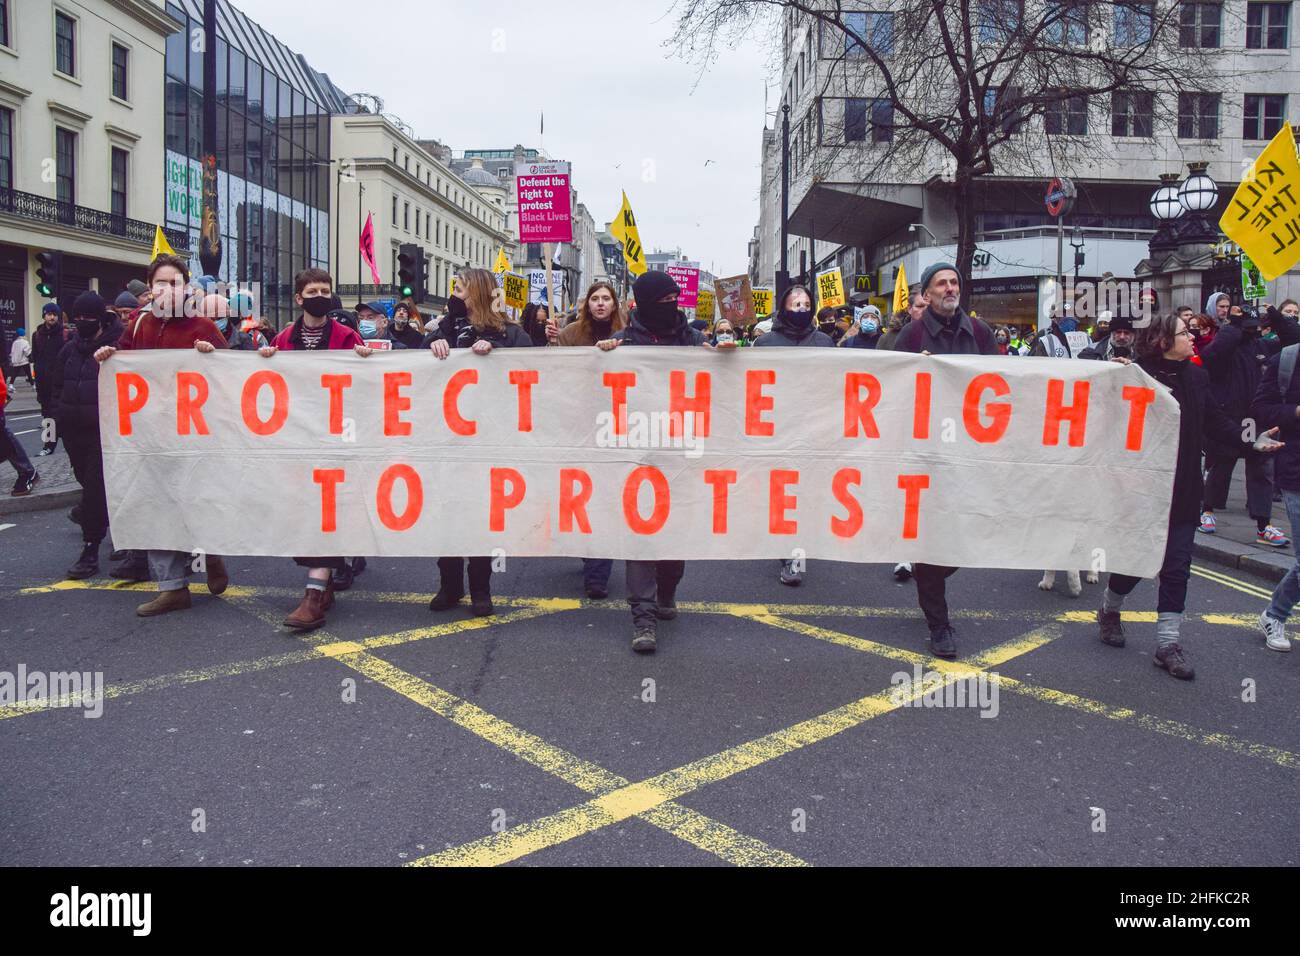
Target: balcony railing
x: 15, y: 202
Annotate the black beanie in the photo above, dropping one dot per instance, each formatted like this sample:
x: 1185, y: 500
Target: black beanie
x: 89, y: 305
x: 653, y: 286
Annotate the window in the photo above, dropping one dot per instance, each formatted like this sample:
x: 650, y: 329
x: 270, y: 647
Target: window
x: 394, y: 209
x: 65, y: 174
x: 877, y: 29
x: 1198, y: 115
x: 437, y: 233
x: 1200, y: 25
x: 4, y: 23
x: 1132, y: 113
x: 1266, y: 25
x: 117, y: 185
x: 1067, y: 117
x: 1068, y: 24
x: 120, y: 55
x: 6, y: 148
x: 1134, y: 22
x: 1002, y: 103
x: 998, y: 19
x: 65, y: 47
x: 406, y: 216
x: 394, y: 155
x: 1263, y: 116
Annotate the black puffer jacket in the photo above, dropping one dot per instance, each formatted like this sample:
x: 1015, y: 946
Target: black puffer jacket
x: 637, y: 334
x: 1234, y: 362
x: 785, y: 334
x: 47, y: 343
x: 1202, y: 422
x: 76, y: 379
x: 509, y: 336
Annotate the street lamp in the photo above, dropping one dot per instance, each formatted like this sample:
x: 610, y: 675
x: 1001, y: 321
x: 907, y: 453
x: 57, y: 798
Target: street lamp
x: 1166, y: 207
x: 1076, y: 243
x: 1198, y: 195
x: 913, y: 226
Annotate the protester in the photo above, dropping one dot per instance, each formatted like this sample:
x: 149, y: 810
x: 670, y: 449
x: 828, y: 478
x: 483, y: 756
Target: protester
x: 868, y: 335
x: 406, y: 330
x: 1163, y: 352
x: 1203, y: 331
x: 166, y: 326
x: 652, y: 585
x: 20, y: 359
x: 1052, y: 341
x: 792, y: 325
x: 943, y: 329
x: 535, y: 319
x: 313, y: 331
x: 47, y: 343
x: 599, y: 317
x: 1234, y: 361
x: 76, y: 389
x: 1118, y: 342
x: 12, y: 452
x: 480, y: 327
x: 1101, y: 328
x: 126, y: 308
x: 724, y: 335
x: 1003, y: 339
x: 892, y: 329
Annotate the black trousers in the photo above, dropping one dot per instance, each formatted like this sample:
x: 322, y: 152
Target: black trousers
x: 649, y: 584
x: 1174, y: 572
x: 932, y: 592
x: 86, y: 456
x: 334, y: 564
x: 452, y: 574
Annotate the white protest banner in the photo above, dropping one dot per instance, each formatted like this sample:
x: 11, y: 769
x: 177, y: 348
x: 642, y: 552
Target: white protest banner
x: 647, y: 453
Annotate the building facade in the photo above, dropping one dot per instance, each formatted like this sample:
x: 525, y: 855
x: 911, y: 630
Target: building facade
x: 273, y: 153
x: 81, y: 146
x: 871, y: 224
x: 414, y: 197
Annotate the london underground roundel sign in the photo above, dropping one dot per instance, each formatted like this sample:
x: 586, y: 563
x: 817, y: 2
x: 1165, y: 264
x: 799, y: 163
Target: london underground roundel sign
x: 1060, y: 196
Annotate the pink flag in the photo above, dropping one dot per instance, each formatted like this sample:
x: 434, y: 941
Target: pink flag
x: 368, y: 248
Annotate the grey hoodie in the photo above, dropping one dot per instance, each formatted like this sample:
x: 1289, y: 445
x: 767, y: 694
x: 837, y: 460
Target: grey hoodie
x: 1211, y: 301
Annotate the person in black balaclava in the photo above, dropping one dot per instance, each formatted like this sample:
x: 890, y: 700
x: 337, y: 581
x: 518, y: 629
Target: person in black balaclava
x: 793, y: 324
x: 75, y: 389
x: 656, y: 320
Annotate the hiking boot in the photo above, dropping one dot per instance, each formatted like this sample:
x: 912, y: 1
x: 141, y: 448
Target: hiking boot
x: 943, y: 642
x: 1112, y: 628
x: 218, y: 579
x: 87, y: 565
x: 445, y: 600
x: 482, y: 604
x: 310, y: 613
x: 134, y: 568
x: 643, y: 640
x: 1172, y: 658
x: 1274, y: 633
x: 789, y: 576
x: 24, y: 485
x: 165, y: 603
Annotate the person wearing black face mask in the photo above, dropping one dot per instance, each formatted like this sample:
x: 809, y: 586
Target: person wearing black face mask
x: 76, y: 391
x: 656, y: 320
x: 793, y: 323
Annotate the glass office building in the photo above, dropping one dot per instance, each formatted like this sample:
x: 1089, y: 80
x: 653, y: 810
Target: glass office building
x: 273, y: 152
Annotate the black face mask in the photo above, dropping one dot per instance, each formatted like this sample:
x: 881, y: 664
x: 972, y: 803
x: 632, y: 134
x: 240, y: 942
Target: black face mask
x: 318, y: 306
x: 659, y: 317
x: 87, y: 328
x: 456, y: 308
x: 797, y: 319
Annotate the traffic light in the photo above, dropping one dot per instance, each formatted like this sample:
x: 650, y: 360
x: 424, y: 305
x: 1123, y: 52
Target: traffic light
x: 409, y: 257
x: 49, y: 265
x: 421, y: 278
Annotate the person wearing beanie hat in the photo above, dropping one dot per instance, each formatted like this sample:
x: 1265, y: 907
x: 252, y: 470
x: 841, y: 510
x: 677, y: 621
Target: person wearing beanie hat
x: 125, y: 300
x: 656, y: 320
x: 138, y: 289
x: 943, y: 329
x: 47, y: 342
x: 76, y: 391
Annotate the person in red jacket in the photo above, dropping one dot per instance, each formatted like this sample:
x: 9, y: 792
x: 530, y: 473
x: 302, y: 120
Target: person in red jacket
x: 165, y: 324
x: 314, y: 330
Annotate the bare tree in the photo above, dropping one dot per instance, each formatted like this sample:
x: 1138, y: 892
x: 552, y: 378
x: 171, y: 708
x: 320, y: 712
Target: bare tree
x: 964, y: 89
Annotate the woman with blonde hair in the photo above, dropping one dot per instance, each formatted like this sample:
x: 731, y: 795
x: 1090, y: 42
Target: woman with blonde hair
x: 473, y: 322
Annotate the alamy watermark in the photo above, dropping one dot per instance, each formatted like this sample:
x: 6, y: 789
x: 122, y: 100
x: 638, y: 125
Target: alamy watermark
x: 662, y: 430
x: 919, y: 688
x: 42, y: 689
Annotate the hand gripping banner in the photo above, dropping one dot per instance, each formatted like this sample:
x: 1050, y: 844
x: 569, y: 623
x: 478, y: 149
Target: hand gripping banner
x: 645, y: 453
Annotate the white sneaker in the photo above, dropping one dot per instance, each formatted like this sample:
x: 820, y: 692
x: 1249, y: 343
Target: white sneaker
x: 1274, y: 633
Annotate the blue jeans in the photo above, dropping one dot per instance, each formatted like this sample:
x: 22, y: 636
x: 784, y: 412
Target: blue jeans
x: 171, y: 569
x: 1287, y: 592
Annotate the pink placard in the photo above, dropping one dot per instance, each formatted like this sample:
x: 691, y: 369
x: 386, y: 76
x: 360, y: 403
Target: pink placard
x: 544, y: 206
x: 687, y: 277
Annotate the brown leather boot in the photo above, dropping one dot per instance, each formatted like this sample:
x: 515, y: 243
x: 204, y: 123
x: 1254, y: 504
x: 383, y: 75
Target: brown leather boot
x: 310, y: 613
x: 165, y: 603
x: 218, y: 579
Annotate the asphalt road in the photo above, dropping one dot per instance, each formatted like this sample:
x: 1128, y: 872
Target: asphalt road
x: 763, y: 731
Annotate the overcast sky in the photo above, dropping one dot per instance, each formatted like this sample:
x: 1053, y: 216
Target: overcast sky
x: 620, y: 106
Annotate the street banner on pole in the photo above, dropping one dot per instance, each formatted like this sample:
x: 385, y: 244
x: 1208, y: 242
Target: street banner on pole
x: 160, y: 244
x: 902, y: 298
x: 661, y: 454
x: 687, y: 277
x: 704, y: 307
x: 763, y: 302
x: 623, y: 228
x: 735, y: 299
x: 1264, y: 214
x: 502, y: 264
x: 545, y: 214
x: 515, y: 288
x: 830, y: 289
x: 368, y: 249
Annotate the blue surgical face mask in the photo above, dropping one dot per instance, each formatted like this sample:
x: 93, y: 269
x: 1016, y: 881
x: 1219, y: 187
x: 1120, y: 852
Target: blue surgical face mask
x: 368, y: 330
x: 869, y: 326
